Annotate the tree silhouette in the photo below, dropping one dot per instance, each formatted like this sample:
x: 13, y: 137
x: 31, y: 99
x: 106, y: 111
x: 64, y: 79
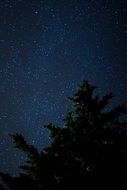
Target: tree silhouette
x: 90, y: 150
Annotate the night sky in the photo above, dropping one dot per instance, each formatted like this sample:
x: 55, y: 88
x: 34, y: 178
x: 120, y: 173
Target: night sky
x: 47, y: 47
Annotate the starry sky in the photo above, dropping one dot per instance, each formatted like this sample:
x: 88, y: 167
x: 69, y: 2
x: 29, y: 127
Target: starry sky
x: 47, y: 47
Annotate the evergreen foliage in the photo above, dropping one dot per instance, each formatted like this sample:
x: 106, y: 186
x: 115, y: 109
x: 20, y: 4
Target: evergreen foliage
x: 90, y: 150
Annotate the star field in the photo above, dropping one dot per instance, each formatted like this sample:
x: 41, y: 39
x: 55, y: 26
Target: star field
x: 47, y: 47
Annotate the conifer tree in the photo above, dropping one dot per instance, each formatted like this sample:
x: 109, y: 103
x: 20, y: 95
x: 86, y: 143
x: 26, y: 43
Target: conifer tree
x: 89, y: 150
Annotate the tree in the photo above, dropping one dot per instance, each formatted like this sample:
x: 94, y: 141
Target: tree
x: 89, y: 150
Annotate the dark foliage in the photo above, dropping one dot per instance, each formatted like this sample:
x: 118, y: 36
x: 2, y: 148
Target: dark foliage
x: 90, y: 150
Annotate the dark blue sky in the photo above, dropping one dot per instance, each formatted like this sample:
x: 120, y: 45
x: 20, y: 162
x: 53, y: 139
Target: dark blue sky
x: 47, y: 47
